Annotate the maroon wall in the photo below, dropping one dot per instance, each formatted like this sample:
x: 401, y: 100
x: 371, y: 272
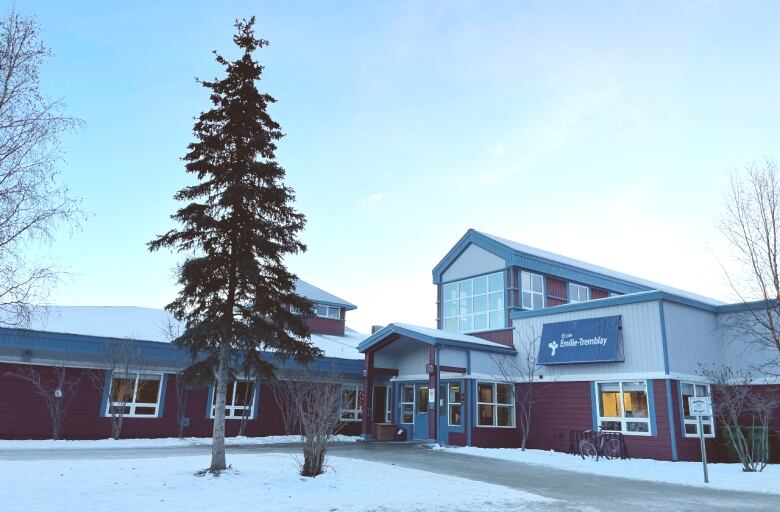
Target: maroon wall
x: 557, y: 292
x: 23, y: 413
x: 596, y: 293
x: 502, y: 336
x: 321, y: 325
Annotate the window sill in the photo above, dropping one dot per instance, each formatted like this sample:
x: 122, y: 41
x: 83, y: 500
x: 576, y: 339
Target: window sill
x: 493, y: 426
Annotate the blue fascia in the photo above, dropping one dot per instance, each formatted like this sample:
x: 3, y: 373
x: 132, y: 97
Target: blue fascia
x: 670, y: 413
x: 344, y: 305
x: 392, y: 329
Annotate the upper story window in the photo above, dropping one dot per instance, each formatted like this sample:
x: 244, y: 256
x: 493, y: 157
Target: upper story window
x: 578, y: 293
x: 475, y: 304
x: 533, y: 290
x: 327, y: 311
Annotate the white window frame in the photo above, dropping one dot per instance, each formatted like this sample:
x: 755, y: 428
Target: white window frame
x: 233, y: 411
x: 353, y: 411
x: 623, y: 420
x: 401, y: 404
x: 576, y: 292
x: 531, y: 291
x: 329, y: 311
x: 496, y: 405
x: 694, y: 421
x: 132, y: 403
x: 450, y: 404
x: 471, y: 315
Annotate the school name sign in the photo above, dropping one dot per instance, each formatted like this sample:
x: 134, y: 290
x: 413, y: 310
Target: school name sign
x: 589, y: 340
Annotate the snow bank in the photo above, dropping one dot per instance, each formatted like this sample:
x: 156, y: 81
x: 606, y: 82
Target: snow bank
x: 257, y: 482
x: 50, y: 444
x: 722, y: 476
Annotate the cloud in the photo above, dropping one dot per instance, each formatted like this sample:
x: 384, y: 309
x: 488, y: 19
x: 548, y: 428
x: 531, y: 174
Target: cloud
x: 370, y: 202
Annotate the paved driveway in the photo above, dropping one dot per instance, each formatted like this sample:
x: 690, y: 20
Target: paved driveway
x: 575, y: 491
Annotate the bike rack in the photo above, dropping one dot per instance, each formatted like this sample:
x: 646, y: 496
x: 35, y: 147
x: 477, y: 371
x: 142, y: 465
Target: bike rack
x: 575, y: 436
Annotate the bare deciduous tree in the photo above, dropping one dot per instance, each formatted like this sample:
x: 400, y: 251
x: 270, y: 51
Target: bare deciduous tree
x: 172, y: 330
x: 734, y: 400
x: 33, y: 205
x: 520, y: 372
x: 752, y: 226
x: 57, y: 390
x: 121, y: 361
x: 311, y: 406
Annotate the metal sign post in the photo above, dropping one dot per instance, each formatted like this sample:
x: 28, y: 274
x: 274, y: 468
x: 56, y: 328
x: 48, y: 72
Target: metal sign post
x: 701, y: 406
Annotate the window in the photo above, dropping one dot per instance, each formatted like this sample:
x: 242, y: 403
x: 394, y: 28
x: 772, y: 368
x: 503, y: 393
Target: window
x: 327, y: 311
x: 239, y: 400
x: 455, y: 405
x: 578, y: 293
x: 532, y: 290
x: 691, y: 423
x: 623, y: 407
x: 475, y: 304
x: 495, y: 405
x: 422, y: 399
x: 407, y: 404
x: 352, y: 402
x: 134, y: 394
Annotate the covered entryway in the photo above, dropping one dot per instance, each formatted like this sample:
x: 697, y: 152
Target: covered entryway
x: 419, y: 380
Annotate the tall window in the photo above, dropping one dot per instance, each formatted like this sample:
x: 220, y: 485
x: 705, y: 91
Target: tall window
x: 327, y: 311
x: 407, y: 404
x: 134, y: 395
x: 455, y: 405
x: 239, y: 400
x: 688, y: 390
x: 475, y: 304
x: 532, y: 290
x: 623, y: 407
x: 495, y: 405
x: 352, y: 402
x: 578, y: 293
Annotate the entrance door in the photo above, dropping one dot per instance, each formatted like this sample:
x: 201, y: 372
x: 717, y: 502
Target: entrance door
x: 421, y: 412
x: 381, y: 409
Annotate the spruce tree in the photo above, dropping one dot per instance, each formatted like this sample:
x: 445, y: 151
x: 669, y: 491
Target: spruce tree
x: 236, y: 293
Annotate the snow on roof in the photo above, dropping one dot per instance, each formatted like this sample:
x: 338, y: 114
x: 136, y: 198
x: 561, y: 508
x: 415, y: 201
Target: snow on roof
x: 315, y: 294
x: 533, y: 251
x: 151, y: 324
x: 447, y: 335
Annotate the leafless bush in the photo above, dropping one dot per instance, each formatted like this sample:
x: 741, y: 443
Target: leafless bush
x: 520, y: 373
x: 57, y: 390
x: 312, y: 408
x: 735, y: 399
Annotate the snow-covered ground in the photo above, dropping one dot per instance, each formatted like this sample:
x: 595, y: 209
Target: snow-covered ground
x: 722, y: 476
x: 167, y: 442
x: 258, y: 482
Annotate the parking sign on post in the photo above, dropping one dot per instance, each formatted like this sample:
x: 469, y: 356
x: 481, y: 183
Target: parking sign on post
x: 701, y: 406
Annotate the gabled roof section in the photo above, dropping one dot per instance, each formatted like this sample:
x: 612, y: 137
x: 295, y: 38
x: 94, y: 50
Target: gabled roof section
x: 432, y: 337
x: 524, y: 256
x: 320, y: 296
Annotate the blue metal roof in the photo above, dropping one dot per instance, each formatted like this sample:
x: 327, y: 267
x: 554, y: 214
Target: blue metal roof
x: 320, y: 296
x: 433, y: 337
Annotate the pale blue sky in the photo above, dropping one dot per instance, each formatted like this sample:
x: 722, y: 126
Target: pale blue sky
x: 601, y: 130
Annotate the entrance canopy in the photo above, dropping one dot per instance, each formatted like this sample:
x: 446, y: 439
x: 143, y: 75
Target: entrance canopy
x: 433, y: 337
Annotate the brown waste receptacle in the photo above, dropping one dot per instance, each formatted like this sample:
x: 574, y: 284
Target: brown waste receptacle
x: 384, y: 431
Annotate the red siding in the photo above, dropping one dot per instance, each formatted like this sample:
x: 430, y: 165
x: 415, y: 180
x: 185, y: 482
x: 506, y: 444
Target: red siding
x: 23, y: 414
x: 502, y: 336
x: 320, y: 325
x: 557, y: 293
x: 596, y: 293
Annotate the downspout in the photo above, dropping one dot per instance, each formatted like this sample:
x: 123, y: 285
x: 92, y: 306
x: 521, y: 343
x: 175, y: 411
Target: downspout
x: 467, y: 395
x: 668, y: 383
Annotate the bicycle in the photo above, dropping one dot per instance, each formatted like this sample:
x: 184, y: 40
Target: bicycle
x: 605, y: 445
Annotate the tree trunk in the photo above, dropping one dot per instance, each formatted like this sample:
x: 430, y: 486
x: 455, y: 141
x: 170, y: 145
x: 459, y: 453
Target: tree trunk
x: 218, y: 443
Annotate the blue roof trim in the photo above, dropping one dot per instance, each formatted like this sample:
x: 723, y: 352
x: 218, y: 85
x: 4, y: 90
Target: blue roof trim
x: 471, y: 237
x: 618, y: 300
x: 392, y: 329
x: 78, y: 348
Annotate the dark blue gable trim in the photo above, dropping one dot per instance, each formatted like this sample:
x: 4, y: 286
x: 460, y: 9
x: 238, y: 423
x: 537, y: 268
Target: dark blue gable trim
x: 392, y: 329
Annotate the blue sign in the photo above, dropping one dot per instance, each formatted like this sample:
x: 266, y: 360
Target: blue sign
x: 590, y: 340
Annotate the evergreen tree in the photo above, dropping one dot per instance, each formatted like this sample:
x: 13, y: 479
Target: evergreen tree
x: 236, y: 293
